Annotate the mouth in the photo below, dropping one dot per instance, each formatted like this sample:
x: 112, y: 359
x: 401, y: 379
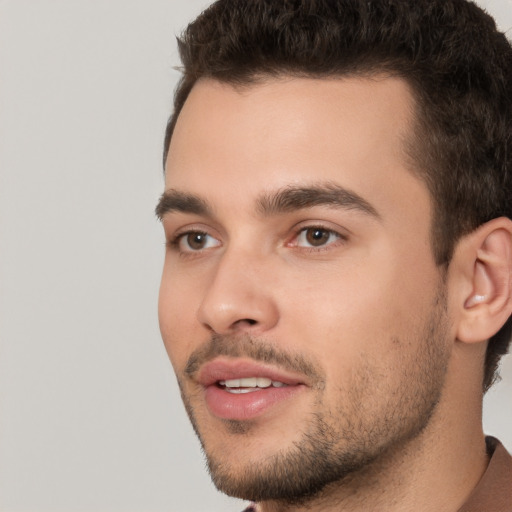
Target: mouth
x: 237, y: 389
x: 249, y: 384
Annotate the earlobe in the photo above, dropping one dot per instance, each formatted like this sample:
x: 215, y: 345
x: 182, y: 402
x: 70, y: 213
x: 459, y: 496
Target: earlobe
x: 488, y: 254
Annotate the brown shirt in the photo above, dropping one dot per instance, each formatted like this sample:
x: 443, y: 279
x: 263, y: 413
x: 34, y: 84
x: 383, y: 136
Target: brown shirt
x: 494, y: 491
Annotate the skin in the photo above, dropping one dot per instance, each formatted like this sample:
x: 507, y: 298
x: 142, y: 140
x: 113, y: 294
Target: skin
x: 367, y: 308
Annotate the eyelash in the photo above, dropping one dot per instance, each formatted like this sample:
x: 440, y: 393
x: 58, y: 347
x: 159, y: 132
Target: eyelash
x: 174, y: 243
x: 340, y: 238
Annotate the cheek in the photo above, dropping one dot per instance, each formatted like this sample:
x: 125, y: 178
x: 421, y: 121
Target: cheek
x: 177, y: 314
x: 358, y: 311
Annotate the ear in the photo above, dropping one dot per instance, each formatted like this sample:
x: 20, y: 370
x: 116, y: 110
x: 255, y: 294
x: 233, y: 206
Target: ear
x: 484, y: 262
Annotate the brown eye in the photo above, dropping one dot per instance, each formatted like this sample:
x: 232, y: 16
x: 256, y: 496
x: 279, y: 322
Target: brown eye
x: 195, y: 241
x: 316, y: 237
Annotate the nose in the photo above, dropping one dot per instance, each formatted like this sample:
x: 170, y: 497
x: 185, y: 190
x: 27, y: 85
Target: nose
x: 240, y: 296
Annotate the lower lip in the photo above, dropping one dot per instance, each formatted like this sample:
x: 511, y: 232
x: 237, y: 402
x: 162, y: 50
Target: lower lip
x: 246, y: 406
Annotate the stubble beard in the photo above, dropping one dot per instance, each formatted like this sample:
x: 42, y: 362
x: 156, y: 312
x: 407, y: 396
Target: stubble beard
x: 370, y: 424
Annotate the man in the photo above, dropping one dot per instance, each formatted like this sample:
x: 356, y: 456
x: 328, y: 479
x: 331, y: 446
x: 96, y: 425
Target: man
x: 336, y: 292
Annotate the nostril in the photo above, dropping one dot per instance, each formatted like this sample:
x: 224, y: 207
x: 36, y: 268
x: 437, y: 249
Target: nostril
x: 248, y: 321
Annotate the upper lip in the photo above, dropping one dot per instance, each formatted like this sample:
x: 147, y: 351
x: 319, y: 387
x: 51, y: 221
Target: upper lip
x: 221, y: 369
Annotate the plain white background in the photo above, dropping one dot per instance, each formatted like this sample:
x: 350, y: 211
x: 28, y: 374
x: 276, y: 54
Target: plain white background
x: 90, y: 416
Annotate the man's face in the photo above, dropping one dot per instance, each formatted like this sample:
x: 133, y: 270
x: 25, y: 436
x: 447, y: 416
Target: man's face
x: 300, y: 303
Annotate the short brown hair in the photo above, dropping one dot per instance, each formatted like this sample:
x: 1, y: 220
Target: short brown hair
x: 457, y: 63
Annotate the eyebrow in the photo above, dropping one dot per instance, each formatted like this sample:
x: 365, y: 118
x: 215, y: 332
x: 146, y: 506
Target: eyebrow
x: 175, y: 201
x: 293, y: 198
x: 288, y: 199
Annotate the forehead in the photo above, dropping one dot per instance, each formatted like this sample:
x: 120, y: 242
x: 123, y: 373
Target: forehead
x: 293, y: 131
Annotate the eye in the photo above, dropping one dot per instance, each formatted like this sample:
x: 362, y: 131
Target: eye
x: 194, y: 241
x: 316, y: 237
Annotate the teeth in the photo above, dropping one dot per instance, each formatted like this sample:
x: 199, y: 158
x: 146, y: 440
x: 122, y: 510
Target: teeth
x: 239, y: 391
x: 262, y: 382
x: 250, y: 382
